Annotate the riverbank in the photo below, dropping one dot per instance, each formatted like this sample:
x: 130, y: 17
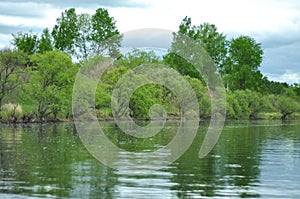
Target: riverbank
x: 31, y: 118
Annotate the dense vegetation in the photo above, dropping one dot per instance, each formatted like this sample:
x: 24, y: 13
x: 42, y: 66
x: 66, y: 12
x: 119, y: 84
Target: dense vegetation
x: 38, y: 73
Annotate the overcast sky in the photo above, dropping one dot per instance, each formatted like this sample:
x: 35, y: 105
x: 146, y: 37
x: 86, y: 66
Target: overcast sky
x: 273, y: 23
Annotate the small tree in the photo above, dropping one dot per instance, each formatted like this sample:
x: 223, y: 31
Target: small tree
x: 26, y: 42
x: 31, y: 43
x: 12, y: 64
x: 286, y: 106
x: 51, y: 83
x: 45, y: 42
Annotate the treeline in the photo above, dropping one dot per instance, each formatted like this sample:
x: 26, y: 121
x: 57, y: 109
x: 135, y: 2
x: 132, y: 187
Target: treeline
x: 38, y: 73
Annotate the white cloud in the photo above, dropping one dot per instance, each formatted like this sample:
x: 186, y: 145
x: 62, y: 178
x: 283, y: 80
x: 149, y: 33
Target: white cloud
x: 28, y: 9
x: 3, y: 40
x: 289, y: 77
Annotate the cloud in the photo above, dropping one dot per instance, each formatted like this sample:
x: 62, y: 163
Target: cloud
x: 148, y: 37
x: 288, y: 77
x: 4, y: 38
x: 278, y: 60
x: 25, y: 9
x: 8, y: 30
x: 85, y: 4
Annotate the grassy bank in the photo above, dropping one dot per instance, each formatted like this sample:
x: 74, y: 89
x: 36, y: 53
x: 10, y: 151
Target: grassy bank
x: 12, y: 113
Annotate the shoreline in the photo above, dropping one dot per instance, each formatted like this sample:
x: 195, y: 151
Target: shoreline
x: 265, y: 117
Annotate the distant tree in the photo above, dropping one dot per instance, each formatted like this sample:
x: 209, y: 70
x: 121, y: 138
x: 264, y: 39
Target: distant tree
x: 137, y: 57
x: 84, y: 35
x: 258, y: 103
x: 286, y: 106
x: 296, y: 88
x: 173, y: 59
x: 213, y: 42
x: 241, y: 68
x: 206, y: 35
x: 45, y: 42
x: 26, y: 42
x: 83, y: 41
x: 65, y: 32
x: 291, y: 93
x: 105, y: 36
x: 31, y: 43
x: 246, y: 104
x: 12, y: 64
x: 273, y: 87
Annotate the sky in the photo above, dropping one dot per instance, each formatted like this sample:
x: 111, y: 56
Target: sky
x: 273, y: 23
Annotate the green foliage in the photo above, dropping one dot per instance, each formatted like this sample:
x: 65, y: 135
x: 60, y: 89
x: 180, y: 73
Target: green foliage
x: 246, y: 104
x: 84, y: 48
x: 105, y: 87
x: 65, y: 31
x: 286, y: 106
x: 86, y: 35
x: 290, y: 92
x: 45, y: 88
x: 173, y: 58
x: 31, y: 43
x: 51, y: 83
x: 137, y: 57
x: 202, y: 96
x: 258, y: 103
x: 233, y: 108
x: 210, y: 39
x: 12, y: 64
x: 45, y: 42
x: 181, y: 65
x: 26, y: 42
x: 296, y: 88
x: 276, y: 88
x: 244, y: 50
x: 241, y: 68
x: 143, y: 99
x: 105, y: 35
x: 207, y: 36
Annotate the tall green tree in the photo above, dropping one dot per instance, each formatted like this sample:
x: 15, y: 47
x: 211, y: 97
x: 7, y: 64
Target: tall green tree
x: 65, y: 32
x: 83, y: 41
x: 206, y: 35
x: 213, y: 42
x: 242, y: 65
x: 84, y: 35
x: 105, y: 35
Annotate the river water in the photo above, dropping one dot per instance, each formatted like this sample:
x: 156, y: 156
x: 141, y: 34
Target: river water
x: 251, y: 160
